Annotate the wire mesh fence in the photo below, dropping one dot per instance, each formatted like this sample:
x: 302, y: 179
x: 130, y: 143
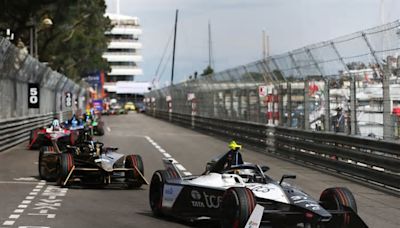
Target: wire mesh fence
x: 349, y: 85
x: 18, y: 70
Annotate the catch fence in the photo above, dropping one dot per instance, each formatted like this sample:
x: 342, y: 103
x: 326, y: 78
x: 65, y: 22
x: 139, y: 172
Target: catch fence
x: 347, y: 85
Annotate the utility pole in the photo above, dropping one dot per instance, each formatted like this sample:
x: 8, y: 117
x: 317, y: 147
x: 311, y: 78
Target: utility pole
x: 265, y: 45
x: 264, y: 53
x: 210, y: 55
x: 173, y: 50
x: 118, y: 12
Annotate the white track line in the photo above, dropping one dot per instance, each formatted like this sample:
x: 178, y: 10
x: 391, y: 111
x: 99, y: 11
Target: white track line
x: 25, y: 203
x: 167, y: 155
x: 17, y: 182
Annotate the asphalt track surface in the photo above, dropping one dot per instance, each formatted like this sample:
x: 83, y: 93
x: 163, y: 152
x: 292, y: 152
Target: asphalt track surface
x: 27, y: 202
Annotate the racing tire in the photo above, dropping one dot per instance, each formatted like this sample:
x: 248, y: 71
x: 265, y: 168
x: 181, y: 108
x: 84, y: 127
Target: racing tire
x: 47, y: 163
x: 336, y: 199
x: 156, y: 192
x: 236, y: 207
x: 133, y: 178
x: 65, y: 165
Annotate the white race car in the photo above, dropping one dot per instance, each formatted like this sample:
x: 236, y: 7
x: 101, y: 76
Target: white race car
x: 244, y: 196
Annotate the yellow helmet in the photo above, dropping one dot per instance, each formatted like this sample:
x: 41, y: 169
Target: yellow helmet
x: 233, y: 145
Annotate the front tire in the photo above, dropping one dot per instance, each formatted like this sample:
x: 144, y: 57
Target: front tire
x: 47, y: 164
x: 133, y: 178
x: 156, y: 192
x: 237, y: 206
x: 66, y: 164
x: 337, y: 199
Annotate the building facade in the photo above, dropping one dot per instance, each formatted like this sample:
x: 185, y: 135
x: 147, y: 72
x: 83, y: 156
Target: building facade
x: 124, y: 51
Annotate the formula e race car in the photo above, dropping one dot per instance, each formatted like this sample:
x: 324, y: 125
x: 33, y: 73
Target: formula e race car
x: 95, y: 124
x: 91, y: 164
x: 244, y: 196
x: 45, y: 136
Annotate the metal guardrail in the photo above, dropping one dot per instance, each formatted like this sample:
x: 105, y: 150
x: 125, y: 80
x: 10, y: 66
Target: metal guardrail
x: 374, y: 161
x: 16, y: 130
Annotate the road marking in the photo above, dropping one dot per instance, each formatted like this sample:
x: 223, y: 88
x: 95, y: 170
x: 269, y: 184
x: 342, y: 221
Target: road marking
x: 14, y: 216
x: 25, y: 179
x: 46, y: 206
x: 108, y: 129
x: 180, y: 167
x: 8, y: 223
x: 33, y: 227
x: 167, y: 155
x: 17, y: 182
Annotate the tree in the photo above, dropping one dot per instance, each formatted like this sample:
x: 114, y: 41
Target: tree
x: 207, y: 71
x: 74, y: 44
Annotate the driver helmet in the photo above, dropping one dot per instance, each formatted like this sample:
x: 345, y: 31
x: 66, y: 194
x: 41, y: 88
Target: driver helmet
x: 56, y: 124
x: 234, y: 146
x: 74, y: 121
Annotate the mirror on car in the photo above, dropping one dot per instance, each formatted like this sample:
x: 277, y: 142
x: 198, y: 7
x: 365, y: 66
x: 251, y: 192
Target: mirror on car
x: 286, y: 176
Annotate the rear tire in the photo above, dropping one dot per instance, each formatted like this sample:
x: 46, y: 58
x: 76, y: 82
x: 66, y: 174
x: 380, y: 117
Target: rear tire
x: 47, y: 164
x: 66, y: 164
x: 336, y: 199
x: 156, y: 192
x: 133, y: 177
x: 237, y: 206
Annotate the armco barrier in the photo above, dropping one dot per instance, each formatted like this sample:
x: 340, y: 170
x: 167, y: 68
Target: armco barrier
x: 16, y: 130
x: 374, y: 161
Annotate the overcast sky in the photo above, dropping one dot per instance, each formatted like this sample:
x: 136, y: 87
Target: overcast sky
x: 237, y: 27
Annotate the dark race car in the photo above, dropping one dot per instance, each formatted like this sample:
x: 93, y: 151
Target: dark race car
x: 91, y: 164
x: 244, y: 196
x: 95, y: 124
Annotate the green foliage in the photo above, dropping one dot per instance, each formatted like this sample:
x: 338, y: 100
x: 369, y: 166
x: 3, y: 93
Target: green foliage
x: 207, y: 71
x: 74, y: 44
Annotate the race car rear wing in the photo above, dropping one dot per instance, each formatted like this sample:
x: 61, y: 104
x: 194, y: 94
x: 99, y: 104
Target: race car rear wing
x: 174, y: 169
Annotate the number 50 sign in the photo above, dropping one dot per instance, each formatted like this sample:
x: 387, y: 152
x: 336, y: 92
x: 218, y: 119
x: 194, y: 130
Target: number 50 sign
x: 33, y: 95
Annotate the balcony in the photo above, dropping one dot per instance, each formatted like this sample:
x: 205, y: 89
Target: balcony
x: 129, y: 44
x: 125, y: 70
x: 124, y: 31
x: 122, y: 57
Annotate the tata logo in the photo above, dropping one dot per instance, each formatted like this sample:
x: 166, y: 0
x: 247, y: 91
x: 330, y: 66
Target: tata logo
x: 198, y: 204
x: 212, y: 201
x: 195, y: 195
